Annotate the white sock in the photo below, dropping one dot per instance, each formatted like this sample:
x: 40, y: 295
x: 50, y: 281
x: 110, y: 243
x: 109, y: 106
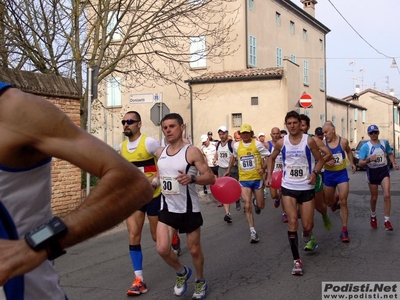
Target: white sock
x: 386, y: 219
x: 139, y: 274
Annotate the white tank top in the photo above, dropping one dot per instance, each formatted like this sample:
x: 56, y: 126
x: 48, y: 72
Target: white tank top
x: 224, y: 155
x: 298, y: 163
x: 176, y: 197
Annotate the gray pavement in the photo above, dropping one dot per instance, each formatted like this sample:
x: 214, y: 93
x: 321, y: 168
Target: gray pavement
x: 235, y: 269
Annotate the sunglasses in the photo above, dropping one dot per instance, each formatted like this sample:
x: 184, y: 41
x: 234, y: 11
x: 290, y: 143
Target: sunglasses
x: 129, y: 122
x: 374, y: 132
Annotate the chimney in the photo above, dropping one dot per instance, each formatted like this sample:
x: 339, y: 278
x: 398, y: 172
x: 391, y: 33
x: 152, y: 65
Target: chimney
x: 391, y: 92
x: 357, y: 88
x: 309, y: 6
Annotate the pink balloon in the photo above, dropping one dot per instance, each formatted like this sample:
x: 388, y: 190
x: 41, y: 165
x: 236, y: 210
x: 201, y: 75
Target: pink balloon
x: 276, y: 179
x: 226, y: 190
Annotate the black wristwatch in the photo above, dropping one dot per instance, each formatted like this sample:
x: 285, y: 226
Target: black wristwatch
x: 193, y: 178
x: 47, y: 236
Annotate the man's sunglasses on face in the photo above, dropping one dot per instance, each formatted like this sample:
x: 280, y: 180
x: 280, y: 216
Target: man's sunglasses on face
x: 374, y: 132
x: 129, y: 121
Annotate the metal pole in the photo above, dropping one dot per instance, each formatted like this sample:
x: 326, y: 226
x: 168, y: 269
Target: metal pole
x: 89, y: 119
x: 160, y: 105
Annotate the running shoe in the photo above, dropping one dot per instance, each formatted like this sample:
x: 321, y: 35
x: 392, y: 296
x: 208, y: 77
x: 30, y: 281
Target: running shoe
x: 277, y: 202
x: 238, y: 205
x: 256, y: 208
x: 297, y: 268
x: 388, y: 226
x: 345, y: 237
x: 220, y: 204
x: 176, y: 243
x: 327, y: 222
x: 181, y: 282
x: 311, y: 244
x: 254, y: 237
x: 200, y: 288
x: 285, y: 218
x: 374, y: 223
x: 336, y: 205
x: 228, y: 218
x: 138, y: 287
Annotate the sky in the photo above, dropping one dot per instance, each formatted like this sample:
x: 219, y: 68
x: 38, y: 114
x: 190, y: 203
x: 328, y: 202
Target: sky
x: 350, y: 60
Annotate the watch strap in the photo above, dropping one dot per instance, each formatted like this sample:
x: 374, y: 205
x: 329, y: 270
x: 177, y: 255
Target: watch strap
x: 54, y: 250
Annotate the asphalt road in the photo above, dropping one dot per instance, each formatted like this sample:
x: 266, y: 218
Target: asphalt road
x: 235, y: 269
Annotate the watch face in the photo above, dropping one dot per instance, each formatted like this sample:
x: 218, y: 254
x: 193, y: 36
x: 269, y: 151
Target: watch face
x: 41, y: 235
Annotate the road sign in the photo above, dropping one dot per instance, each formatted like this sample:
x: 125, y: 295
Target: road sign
x: 157, y: 112
x: 305, y: 101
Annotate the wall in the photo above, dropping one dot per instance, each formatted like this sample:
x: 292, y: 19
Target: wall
x: 62, y: 92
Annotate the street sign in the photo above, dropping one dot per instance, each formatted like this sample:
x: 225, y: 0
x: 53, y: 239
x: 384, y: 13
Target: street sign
x: 305, y: 101
x: 157, y: 112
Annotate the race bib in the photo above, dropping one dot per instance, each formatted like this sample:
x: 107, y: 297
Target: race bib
x: 298, y: 172
x: 278, y: 164
x: 248, y: 163
x: 380, y: 159
x: 337, y: 158
x: 170, y: 185
x: 223, y: 154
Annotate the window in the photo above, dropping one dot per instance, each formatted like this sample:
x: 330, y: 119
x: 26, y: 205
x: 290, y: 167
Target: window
x: 278, y: 19
x: 343, y: 124
x: 304, y: 35
x: 251, y: 4
x: 363, y: 116
x: 321, y: 45
x: 198, y: 52
x: 351, y: 131
x: 321, y: 79
x: 254, y: 100
x: 114, y: 92
x: 112, y: 26
x: 334, y: 120
x: 396, y: 115
x: 253, y: 51
x: 293, y: 58
x: 305, y: 72
x: 292, y: 27
x: 278, y: 57
x: 322, y: 117
x: 355, y: 114
x: 236, y: 120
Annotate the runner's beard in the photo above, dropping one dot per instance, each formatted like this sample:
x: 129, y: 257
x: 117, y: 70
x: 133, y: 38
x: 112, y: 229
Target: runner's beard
x: 128, y: 133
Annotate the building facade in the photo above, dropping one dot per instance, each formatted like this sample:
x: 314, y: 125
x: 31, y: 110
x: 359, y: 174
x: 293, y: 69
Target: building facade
x: 280, y: 54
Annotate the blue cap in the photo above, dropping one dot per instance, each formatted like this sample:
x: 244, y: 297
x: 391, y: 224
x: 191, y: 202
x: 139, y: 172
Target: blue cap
x: 372, y: 128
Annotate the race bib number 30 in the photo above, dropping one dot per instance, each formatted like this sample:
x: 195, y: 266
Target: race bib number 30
x: 248, y: 163
x: 296, y: 172
x: 170, y: 185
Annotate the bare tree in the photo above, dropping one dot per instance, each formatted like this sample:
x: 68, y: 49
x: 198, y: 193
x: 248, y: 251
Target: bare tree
x: 145, y: 42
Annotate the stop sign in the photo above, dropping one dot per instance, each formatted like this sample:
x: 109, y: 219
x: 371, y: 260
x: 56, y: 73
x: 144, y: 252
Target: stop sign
x: 305, y: 101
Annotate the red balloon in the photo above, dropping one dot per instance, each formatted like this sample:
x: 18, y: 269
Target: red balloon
x: 226, y: 190
x: 277, y: 179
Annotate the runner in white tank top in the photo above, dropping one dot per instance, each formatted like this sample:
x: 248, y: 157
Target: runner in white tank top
x: 298, y: 152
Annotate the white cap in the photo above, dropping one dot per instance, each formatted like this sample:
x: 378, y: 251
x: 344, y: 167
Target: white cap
x: 222, y: 128
x: 204, y: 138
x: 261, y: 134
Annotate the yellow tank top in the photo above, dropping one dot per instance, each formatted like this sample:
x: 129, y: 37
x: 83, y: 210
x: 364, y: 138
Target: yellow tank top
x: 142, y: 159
x: 249, y: 161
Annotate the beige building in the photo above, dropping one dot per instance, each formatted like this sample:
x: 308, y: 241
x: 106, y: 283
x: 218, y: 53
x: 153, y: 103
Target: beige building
x: 349, y: 119
x: 382, y: 111
x: 280, y: 55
